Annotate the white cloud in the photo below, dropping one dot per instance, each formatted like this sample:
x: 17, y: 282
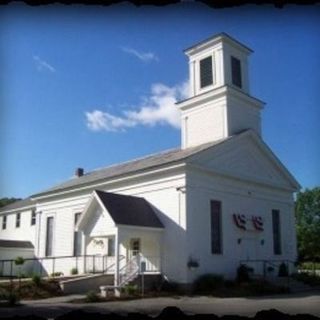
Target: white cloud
x: 43, y: 65
x: 143, y: 56
x: 158, y: 108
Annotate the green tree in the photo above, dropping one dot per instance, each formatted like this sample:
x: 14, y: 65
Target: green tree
x: 307, y: 211
x: 6, y: 201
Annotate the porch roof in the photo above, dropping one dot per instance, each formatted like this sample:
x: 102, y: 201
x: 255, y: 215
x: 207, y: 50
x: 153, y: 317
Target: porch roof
x: 129, y: 210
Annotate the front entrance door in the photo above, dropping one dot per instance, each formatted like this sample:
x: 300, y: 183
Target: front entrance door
x: 135, y: 247
x: 111, y: 247
x: 249, y: 249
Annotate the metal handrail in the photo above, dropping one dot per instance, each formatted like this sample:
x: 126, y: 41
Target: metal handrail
x: 128, y: 277
x: 272, y: 263
x: 121, y: 257
x: 52, y: 258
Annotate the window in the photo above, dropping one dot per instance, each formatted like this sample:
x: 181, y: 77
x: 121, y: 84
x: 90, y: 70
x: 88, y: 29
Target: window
x: 236, y: 72
x: 4, y: 222
x: 18, y: 220
x: 77, y: 237
x: 206, y: 78
x: 134, y: 247
x: 33, y: 217
x: 216, y: 232
x: 111, y: 247
x: 276, y: 231
x: 49, y: 237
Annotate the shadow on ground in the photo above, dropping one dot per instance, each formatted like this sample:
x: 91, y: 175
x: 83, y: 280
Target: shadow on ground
x: 168, y: 313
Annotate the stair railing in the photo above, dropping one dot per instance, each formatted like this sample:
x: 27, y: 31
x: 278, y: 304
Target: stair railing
x: 129, y: 271
x: 111, y: 267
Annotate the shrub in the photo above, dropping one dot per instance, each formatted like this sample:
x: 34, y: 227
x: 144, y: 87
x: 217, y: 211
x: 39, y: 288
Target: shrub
x: 11, y: 297
x: 56, y: 274
x: 92, y: 296
x: 262, y: 287
x: 2, y: 294
x: 243, y: 273
x: 74, y: 271
x: 208, y: 282
x: 283, y: 270
x: 311, y: 280
x: 131, y: 289
x: 169, y: 286
x: 36, y: 279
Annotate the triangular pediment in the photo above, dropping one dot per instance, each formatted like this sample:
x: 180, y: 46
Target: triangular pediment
x: 247, y: 157
x: 95, y: 219
x: 106, y: 210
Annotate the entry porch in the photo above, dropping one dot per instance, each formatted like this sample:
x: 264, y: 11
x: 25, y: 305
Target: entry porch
x: 123, y: 235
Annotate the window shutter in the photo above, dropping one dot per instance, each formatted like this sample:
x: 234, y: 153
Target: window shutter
x: 206, y: 77
x: 236, y: 72
x: 276, y: 232
x: 216, y: 232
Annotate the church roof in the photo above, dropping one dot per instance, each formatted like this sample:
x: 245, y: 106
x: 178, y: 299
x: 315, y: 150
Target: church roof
x: 134, y: 166
x: 129, y: 210
x: 25, y: 203
x: 16, y: 244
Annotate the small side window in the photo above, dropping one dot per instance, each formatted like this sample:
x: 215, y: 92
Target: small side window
x: 4, y: 222
x: 18, y: 220
x: 33, y: 217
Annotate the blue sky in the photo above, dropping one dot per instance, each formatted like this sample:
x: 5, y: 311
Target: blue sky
x: 92, y: 86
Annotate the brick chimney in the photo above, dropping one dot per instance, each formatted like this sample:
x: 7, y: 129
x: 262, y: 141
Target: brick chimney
x: 79, y: 172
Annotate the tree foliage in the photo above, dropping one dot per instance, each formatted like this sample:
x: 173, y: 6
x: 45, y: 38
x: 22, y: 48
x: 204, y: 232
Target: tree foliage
x: 5, y: 201
x: 307, y: 211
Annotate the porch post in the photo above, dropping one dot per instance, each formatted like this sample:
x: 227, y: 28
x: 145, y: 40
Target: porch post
x: 117, y: 262
x: 84, y: 251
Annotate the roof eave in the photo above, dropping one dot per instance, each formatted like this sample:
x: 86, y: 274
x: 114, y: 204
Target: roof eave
x: 99, y: 182
x: 217, y: 38
x: 17, y: 209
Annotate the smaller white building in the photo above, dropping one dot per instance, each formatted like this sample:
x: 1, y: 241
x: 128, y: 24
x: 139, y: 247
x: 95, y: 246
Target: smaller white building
x: 221, y: 199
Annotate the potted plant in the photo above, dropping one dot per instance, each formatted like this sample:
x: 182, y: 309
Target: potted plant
x: 192, y: 263
x: 270, y: 269
x: 19, y: 261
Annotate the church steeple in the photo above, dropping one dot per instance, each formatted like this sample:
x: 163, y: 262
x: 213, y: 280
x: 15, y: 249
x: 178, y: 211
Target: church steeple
x: 219, y: 103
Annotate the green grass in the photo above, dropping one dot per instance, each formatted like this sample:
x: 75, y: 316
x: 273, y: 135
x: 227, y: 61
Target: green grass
x: 92, y: 296
x: 309, y: 265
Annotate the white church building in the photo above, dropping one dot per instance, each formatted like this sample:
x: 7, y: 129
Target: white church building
x: 221, y: 198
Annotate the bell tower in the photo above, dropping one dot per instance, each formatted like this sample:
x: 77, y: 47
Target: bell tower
x: 220, y: 104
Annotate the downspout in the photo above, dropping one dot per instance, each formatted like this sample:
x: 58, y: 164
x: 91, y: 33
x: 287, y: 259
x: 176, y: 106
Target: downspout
x: 181, y: 190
